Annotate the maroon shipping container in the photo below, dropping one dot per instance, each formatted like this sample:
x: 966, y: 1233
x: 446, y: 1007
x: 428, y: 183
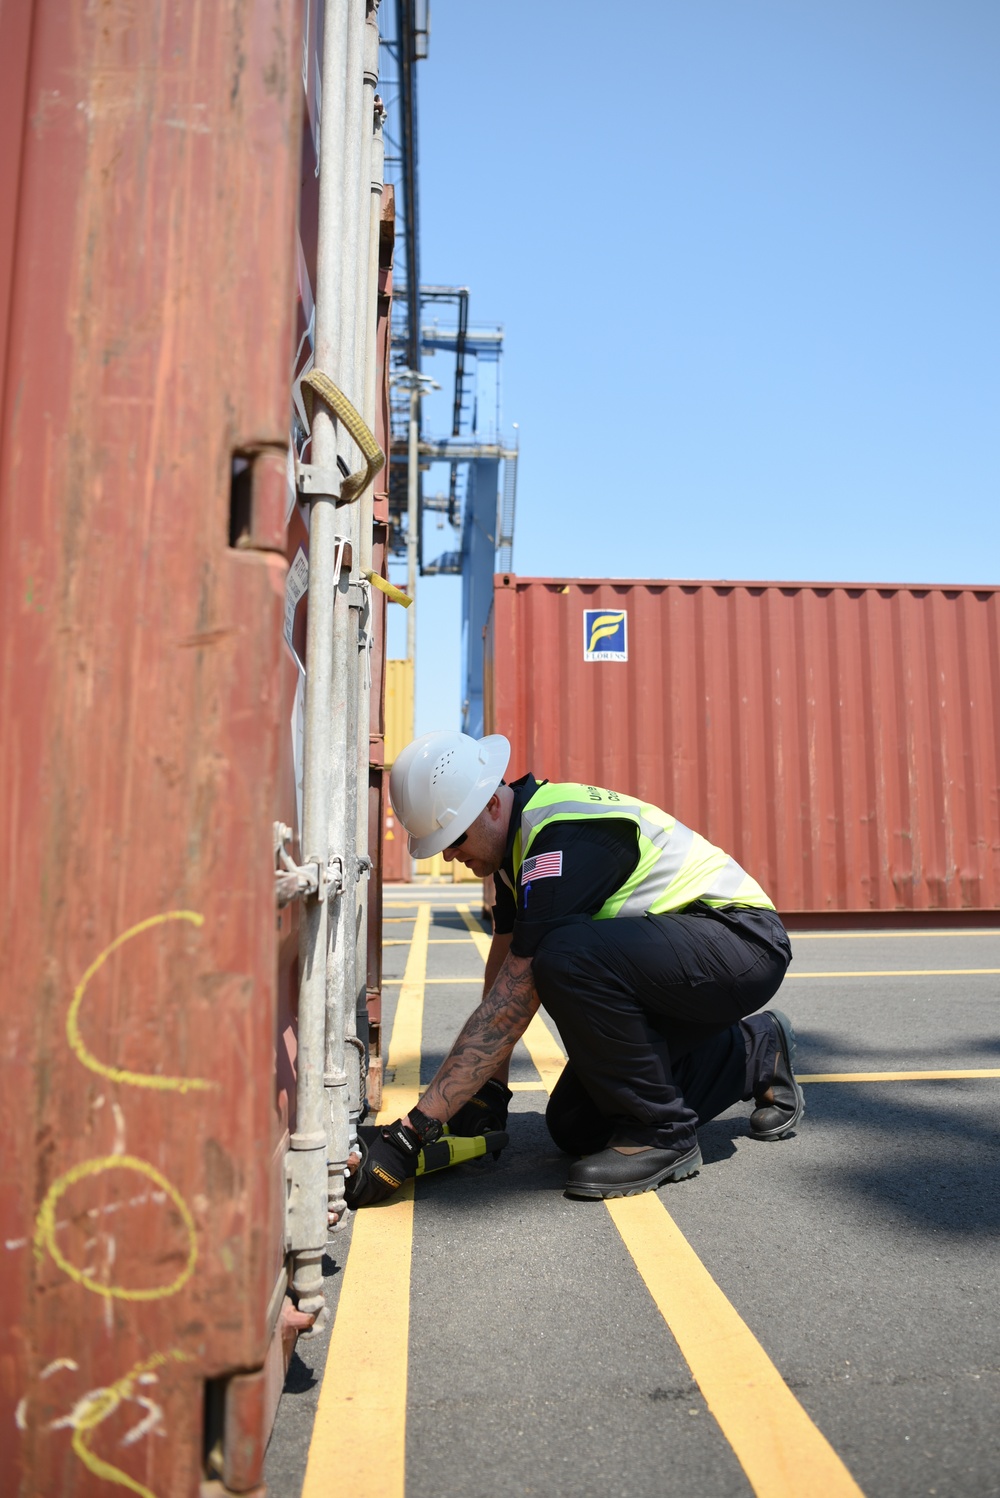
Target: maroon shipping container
x: 150, y: 187
x: 840, y: 740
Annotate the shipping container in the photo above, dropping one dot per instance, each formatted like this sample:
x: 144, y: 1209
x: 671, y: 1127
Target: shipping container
x: 155, y: 165
x: 840, y: 740
x: 397, y: 863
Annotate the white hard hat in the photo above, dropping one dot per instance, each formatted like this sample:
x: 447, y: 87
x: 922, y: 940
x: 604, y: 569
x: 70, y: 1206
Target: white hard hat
x: 441, y: 782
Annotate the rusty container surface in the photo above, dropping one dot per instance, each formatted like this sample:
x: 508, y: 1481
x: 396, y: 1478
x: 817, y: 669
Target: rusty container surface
x: 397, y: 863
x: 147, y: 214
x: 378, y: 790
x: 840, y: 740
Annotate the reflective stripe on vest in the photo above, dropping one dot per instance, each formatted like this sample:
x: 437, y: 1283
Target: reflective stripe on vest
x: 676, y: 866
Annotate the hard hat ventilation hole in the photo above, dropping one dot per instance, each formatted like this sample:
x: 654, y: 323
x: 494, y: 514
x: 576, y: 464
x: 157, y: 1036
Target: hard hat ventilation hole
x: 441, y: 766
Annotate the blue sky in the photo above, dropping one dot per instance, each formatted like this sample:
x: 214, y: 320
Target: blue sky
x: 745, y: 253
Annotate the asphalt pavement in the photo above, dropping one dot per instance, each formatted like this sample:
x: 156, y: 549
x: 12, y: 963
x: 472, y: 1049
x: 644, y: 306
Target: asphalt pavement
x: 858, y: 1257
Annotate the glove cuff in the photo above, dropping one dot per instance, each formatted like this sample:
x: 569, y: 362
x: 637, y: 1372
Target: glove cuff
x: 403, y: 1137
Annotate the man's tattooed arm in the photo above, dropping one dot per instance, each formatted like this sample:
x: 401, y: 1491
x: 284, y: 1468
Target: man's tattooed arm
x: 485, y: 1040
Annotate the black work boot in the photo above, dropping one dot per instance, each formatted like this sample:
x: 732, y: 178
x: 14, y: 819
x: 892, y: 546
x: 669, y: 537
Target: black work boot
x: 610, y: 1173
x: 775, y: 1118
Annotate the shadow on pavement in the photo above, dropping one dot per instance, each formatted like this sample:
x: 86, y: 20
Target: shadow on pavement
x: 920, y: 1156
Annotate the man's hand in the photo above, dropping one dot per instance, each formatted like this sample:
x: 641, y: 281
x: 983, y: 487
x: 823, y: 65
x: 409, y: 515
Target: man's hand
x: 385, y: 1165
x: 486, y: 1113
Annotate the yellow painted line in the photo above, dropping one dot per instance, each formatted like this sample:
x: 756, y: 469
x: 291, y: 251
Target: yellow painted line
x: 360, y: 1423
x: 476, y: 931
x: 541, y: 1045
x: 899, y: 1076
x: 779, y: 1448
x: 782, y: 1452
x: 476, y: 979
x: 435, y: 941
x: 891, y: 935
x: 901, y: 972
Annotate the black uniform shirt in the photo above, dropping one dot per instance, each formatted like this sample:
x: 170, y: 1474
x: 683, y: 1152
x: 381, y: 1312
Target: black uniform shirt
x: 597, y: 858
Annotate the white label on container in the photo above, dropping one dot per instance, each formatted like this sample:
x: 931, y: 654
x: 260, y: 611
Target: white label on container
x: 296, y: 584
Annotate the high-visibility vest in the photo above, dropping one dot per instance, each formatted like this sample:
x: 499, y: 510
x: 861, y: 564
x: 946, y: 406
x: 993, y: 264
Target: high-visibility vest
x: 676, y: 866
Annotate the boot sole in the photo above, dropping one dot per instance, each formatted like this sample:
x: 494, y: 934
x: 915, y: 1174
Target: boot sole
x: 781, y: 1131
x: 681, y: 1170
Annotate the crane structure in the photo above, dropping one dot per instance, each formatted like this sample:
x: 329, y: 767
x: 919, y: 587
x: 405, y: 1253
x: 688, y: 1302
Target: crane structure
x: 477, y: 492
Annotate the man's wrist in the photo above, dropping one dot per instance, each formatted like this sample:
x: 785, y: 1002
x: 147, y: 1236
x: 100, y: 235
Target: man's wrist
x: 427, y: 1129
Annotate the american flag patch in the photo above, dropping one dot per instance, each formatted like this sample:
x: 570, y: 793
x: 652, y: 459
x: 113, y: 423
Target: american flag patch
x: 541, y: 866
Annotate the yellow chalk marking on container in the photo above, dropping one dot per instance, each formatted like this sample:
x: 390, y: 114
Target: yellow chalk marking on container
x: 76, y: 1041
x: 94, y: 1408
x: 45, y: 1226
x: 365, y: 1379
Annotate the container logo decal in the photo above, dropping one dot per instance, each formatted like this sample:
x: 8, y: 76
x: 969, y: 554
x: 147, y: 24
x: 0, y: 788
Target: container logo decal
x: 605, y: 635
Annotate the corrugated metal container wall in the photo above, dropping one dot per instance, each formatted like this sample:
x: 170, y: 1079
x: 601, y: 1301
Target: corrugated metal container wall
x: 378, y: 790
x: 398, y: 865
x: 150, y: 166
x: 841, y: 741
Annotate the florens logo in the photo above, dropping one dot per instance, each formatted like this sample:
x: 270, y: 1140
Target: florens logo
x: 605, y: 635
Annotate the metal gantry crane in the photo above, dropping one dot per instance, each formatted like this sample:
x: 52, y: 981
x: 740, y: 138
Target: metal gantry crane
x: 479, y: 497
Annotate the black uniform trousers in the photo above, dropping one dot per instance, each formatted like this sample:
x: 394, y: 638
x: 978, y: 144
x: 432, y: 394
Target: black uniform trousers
x: 651, y: 1011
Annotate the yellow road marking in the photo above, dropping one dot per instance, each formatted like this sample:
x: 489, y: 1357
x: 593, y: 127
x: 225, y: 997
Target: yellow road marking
x: 779, y: 1448
x: 901, y: 972
x: 898, y: 1076
x: 540, y: 1043
x: 476, y: 978
x: 364, y: 1387
x: 930, y: 972
x: 435, y: 941
x: 891, y: 935
x: 361, y: 1412
x: 482, y: 941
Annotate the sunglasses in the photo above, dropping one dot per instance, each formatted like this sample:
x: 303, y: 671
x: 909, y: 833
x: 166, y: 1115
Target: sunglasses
x: 457, y: 843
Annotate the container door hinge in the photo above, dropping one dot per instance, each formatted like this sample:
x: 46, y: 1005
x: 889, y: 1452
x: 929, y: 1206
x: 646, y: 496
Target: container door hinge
x: 292, y: 880
x: 312, y: 480
x: 335, y: 876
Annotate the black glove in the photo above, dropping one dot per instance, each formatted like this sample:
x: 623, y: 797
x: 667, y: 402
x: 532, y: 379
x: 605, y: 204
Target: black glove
x: 385, y: 1164
x: 486, y: 1113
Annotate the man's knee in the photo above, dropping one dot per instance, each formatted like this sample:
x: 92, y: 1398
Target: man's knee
x: 573, y: 1119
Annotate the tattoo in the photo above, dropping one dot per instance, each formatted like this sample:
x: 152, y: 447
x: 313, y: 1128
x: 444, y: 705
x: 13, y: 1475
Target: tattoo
x: 485, y: 1040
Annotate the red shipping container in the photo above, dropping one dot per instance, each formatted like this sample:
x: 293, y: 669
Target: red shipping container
x: 149, y: 186
x: 840, y: 740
